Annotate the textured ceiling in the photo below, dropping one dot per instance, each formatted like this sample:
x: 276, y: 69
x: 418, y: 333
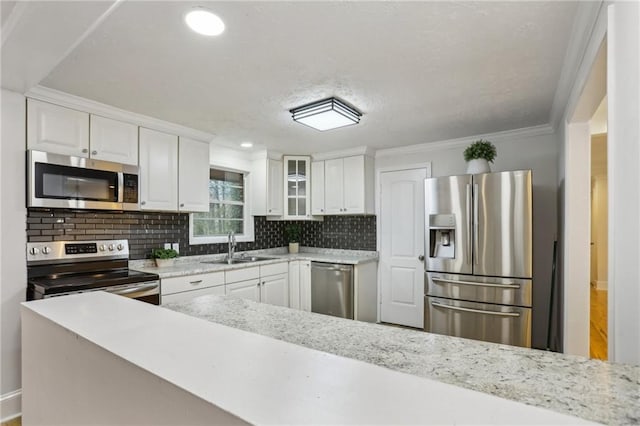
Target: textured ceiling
x: 419, y: 71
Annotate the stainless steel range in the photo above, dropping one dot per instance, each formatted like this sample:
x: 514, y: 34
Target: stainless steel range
x: 66, y: 267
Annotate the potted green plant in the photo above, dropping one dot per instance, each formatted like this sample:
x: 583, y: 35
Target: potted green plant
x: 292, y: 233
x: 164, y: 257
x: 478, y: 155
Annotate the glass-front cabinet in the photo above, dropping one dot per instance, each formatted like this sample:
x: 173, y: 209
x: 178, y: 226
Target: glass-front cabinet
x: 297, y: 187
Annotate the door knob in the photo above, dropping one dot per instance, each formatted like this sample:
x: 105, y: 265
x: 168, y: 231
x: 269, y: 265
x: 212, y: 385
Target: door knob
x: 94, y: 152
x: 421, y: 258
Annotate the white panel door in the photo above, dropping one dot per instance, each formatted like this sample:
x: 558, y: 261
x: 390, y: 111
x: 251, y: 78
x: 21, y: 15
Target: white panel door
x: 305, y: 285
x: 249, y: 289
x: 353, y: 185
x: 401, y: 245
x: 317, y: 188
x: 275, y: 290
x: 193, y: 176
x: 333, y: 186
x: 158, y: 170
x: 113, y: 140
x: 52, y: 128
x: 275, y: 176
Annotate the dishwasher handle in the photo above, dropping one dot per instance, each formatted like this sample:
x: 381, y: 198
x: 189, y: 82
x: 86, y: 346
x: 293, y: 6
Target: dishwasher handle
x: 332, y: 266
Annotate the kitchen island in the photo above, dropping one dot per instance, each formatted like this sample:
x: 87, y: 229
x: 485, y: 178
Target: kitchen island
x: 103, y: 359
x: 590, y: 389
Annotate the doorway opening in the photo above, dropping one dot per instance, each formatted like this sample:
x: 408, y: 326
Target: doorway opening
x: 599, y: 235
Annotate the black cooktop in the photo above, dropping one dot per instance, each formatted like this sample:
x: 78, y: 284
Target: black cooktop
x: 62, y: 283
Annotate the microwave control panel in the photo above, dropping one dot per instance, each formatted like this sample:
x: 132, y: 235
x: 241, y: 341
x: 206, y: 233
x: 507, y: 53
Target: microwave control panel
x: 130, y: 190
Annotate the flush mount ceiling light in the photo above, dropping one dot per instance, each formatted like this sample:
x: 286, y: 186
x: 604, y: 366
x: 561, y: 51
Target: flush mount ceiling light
x: 246, y: 144
x: 204, y: 22
x: 326, y: 114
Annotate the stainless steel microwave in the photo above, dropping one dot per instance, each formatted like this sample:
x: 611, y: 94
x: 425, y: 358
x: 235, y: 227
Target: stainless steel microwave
x: 62, y: 181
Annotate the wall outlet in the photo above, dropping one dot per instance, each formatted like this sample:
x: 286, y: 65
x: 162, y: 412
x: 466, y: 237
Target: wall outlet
x: 167, y: 246
x: 176, y: 247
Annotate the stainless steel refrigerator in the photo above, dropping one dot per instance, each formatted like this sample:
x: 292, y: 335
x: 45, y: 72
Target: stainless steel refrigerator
x: 478, y: 268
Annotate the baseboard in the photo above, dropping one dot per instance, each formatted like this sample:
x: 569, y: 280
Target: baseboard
x: 10, y: 405
x: 601, y: 285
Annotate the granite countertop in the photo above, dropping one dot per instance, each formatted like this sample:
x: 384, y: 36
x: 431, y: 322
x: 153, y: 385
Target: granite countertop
x: 191, y: 265
x: 590, y: 389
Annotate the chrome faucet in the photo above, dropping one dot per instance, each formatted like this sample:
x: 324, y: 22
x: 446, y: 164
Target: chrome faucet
x: 232, y: 245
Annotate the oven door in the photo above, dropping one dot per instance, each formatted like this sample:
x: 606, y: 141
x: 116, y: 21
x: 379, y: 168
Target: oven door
x: 146, y: 291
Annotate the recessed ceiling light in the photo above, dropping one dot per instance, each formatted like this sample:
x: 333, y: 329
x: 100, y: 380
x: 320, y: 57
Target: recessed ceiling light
x: 246, y: 144
x: 204, y: 22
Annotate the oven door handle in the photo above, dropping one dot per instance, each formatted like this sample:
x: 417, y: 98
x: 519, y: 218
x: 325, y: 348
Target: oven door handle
x: 136, y: 289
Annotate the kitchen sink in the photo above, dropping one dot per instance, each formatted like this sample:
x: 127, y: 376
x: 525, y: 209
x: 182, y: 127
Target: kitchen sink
x: 239, y: 259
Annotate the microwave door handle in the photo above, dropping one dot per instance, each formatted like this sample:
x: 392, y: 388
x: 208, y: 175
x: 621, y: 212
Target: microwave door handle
x: 120, y: 187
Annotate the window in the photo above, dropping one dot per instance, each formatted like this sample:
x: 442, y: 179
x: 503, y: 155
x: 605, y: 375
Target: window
x: 228, y: 210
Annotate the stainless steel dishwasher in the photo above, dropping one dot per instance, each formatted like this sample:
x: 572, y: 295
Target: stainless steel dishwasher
x: 332, y: 289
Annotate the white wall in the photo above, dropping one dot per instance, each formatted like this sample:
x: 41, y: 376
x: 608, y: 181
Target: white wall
x: 623, y: 91
x: 534, y: 149
x: 12, y: 242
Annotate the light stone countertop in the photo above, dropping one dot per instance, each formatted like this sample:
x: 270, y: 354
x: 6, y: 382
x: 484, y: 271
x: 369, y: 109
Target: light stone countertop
x: 590, y: 389
x: 191, y: 265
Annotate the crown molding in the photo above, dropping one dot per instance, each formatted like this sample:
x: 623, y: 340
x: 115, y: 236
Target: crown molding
x: 93, y: 107
x: 360, y: 150
x: 589, y: 16
x: 504, y: 136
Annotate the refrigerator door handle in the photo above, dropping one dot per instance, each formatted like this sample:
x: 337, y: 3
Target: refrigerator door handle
x: 479, y: 284
x: 469, y: 224
x: 475, y: 311
x: 476, y: 224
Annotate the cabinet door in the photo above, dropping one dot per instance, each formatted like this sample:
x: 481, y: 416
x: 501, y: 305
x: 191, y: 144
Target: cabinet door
x: 275, y: 290
x: 294, y: 284
x: 354, y: 185
x: 317, y: 187
x: 158, y: 170
x: 249, y: 289
x: 193, y: 176
x: 56, y: 129
x: 113, y: 140
x: 188, y: 295
x: 333, y: 186
x: 275, y: 202
x: 296, y: 187
x: 305, y: 285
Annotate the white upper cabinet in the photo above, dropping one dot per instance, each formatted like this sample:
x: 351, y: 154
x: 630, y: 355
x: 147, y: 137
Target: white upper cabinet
x: 193, y: 176
x: 297, y: 187
x: 112, y: 140
x: 158, y: 170
x: 317, y: 189
x: 267, y: 187
x: 348, y: 186
x: 52, y: 128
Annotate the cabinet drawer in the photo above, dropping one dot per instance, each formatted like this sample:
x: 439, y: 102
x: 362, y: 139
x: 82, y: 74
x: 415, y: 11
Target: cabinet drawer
x: 188, y: 295
x: 243, y: 274
x: 191, y: 282
x: 274, y: 269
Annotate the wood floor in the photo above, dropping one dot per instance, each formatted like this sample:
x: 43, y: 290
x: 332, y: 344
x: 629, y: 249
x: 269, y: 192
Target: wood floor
x: 598, y: 326
x: 13, y: 422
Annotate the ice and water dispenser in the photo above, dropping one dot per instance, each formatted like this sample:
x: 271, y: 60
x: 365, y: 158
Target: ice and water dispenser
x: 442, y: 236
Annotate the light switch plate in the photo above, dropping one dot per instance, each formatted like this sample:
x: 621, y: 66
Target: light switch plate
x: 176, y: 247
x: 167, y: 246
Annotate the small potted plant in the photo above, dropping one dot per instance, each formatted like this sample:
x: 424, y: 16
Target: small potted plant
x: 478, y: 155
x: 164, y: 257
x: 292, y: 233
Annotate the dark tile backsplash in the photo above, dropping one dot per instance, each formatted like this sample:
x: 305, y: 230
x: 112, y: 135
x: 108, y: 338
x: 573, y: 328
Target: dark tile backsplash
x: 147, y: 230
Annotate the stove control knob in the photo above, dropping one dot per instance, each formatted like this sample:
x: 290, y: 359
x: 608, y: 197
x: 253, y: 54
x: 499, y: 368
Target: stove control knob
x: 102, y: 247
x: 46, y: 250
x: 120, y: 246
x: 34, y: 250
x: 111, y: 247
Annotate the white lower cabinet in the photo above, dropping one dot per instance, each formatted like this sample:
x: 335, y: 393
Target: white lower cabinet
x: 274, y: 290
x: 180, y: 289
x: 300, y: 285
x: 249, y: 289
